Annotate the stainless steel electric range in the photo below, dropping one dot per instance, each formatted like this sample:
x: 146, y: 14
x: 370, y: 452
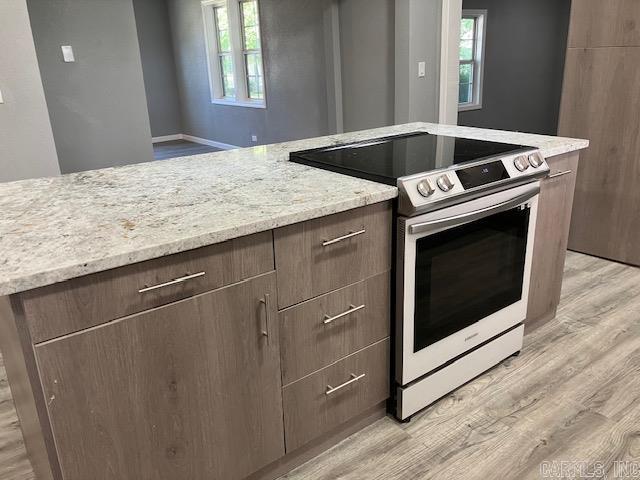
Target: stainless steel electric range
x: 465, y: 222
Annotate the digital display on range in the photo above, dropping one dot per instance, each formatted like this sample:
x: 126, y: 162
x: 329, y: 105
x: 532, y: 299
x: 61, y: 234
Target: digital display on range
x: 473, y: 177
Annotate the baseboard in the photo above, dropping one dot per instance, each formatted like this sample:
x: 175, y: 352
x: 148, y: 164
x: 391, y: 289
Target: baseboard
x: 211, y: 143
x: 191, y: 138
x: 166, y: 138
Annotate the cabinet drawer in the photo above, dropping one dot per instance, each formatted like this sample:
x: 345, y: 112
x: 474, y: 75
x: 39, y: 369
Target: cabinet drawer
x: 324, y: 400
x: 321, y: 255
x: 318, y: 332
x: 101, y: 297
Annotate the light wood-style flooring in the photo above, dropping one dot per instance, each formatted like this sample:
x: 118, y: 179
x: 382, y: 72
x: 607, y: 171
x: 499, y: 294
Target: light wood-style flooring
x: 573, y: 395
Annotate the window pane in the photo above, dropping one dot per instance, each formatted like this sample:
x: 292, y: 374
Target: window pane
x: 249, y: 13
x: 250, y: 25
x: 466, y: 83
x: 255, y: 81
x: 466, y: 73
x: 222, y: 28
x: 467, y: 28
x: 465, y: 93
x: 226, y: 71
x: 466, y: 50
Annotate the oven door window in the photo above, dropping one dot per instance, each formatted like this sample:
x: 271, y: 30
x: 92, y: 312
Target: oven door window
x: 467, y: 273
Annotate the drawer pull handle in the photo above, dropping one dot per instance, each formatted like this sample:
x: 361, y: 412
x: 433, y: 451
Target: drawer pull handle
x: 172, y: 282
x: 352, y: 309
x: 267, y: 318
x: 559, y: 174
x: 354, y: 379
x: 344, y: 237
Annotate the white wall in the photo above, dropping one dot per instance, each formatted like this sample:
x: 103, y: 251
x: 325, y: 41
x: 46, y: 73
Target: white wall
x: 27, y: 148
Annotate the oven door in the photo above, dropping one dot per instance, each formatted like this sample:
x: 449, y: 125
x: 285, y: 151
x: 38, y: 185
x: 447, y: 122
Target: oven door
x: 463, y: 277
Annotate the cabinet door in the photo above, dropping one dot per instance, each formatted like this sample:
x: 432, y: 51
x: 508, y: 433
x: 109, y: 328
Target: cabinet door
x: 601, y: 101
x: 552, y: 233
x: 191, y: 390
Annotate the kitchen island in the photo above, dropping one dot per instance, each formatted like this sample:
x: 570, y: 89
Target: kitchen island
x: 110, y: 281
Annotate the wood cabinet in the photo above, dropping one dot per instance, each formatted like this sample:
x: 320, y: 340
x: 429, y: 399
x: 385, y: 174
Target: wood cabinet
x: 600, y: 101
x: 604, y: 23
x: 87, y: 301
x: 321, y: 331
x: 116, y: 379
x: 321, y: 255
x: 191, y: 390
x: 333, y: 395
x: 552, y: 232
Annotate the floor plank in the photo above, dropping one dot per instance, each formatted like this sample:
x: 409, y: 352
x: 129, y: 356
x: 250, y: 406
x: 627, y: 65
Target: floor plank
x: 572, y: 395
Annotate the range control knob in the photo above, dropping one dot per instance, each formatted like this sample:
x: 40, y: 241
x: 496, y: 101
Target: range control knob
x: 521, y: 163
x: 536, y: 160
x: 444, y: 183
x: 426, y: 188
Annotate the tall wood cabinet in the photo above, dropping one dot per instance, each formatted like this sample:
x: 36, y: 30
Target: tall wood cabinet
x: 601, y: 101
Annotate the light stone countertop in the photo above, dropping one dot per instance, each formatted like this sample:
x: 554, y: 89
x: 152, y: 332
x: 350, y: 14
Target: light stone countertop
x: 55, y: 229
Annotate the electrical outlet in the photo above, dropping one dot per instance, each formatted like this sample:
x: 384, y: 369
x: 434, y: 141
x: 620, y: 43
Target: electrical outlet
x: 254, y: 138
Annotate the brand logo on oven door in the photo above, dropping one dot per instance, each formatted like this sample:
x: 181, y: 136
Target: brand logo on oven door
x: 470, y: 337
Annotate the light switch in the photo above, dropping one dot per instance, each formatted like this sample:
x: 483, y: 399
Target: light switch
x: 67, y: 53
x: 1, y: 99
x: 422, y: 69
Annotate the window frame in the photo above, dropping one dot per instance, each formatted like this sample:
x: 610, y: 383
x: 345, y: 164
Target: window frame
x: 241, y: 98
x: 479, y: 44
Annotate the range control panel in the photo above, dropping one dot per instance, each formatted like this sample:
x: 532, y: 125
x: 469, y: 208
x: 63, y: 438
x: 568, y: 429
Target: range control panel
x: 426, y: 192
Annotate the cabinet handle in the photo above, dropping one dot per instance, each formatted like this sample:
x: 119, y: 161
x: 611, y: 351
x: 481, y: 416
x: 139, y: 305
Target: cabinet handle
x: 352, y: 309
x: 354, y: 379
x: 172, y: 282
x: 559, y: 174
x: 267, y: 317
x: 326, y: 243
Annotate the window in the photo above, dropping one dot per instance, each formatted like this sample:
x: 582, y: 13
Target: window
x: 234, y: 52
x: 472, y: 40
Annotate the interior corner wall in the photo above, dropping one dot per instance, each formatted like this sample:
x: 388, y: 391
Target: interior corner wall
x: 97, y: 105
x: 158, y: 66
x: 295, y: 77
x: 524, y: 63
x: 27, y: 149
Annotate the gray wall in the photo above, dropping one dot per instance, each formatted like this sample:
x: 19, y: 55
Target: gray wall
x: 367, y: 40
x: 525, y: 50
x: 158, y: 66
x: 296, y: 87
x: 97, y: 105
x: 417, y: 24
x: 26, y: 142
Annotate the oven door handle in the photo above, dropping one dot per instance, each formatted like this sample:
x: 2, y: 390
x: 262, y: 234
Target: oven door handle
x: 476, y: 214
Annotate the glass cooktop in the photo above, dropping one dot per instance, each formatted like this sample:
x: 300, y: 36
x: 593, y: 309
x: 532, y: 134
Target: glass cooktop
x: 387, y: 159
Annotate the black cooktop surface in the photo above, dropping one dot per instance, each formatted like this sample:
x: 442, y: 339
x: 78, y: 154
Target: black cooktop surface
x: 387, y: 159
